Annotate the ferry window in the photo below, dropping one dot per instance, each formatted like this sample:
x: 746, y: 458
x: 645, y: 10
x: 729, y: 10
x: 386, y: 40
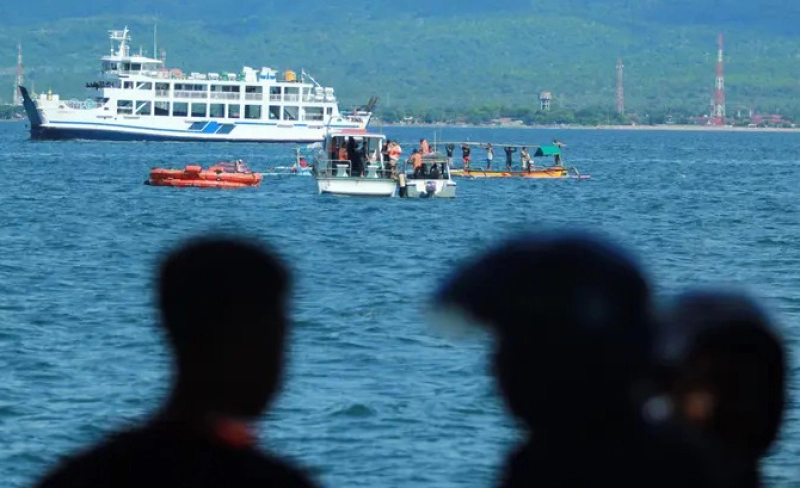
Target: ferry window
x: 275, y: 93
x: 314, y: 113
x: 292, y: 94
x: 180, y: 109
x: 253, y: 89
x: 143, y: 108
x: 199, y: 109
x: 162, y: 89
x: 274, y: 112
x: 126, y: 66
x: 252, y: 111
x: 291, y: 113
x: 234, y: 111
x: 145, y: 86
x: 124, y: 106
x: 329, y: 111
x: 231, y: 88
x: 216, y: 110
x: 127, y: 85
x: 136, y: 67
x: 161, y: 109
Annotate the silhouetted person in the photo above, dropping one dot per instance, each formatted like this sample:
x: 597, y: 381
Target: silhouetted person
x: 573, y: 362
x: 726, y: 375
x: 224, y: 315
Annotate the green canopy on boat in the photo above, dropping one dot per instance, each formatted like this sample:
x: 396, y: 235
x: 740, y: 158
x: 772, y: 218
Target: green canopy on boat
x: 547, y: 151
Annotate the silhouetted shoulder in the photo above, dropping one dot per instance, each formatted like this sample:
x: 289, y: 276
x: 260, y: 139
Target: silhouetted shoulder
x: 161, y: 457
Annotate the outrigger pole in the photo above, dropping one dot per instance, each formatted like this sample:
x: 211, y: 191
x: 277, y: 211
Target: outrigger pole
x: 494, y: 144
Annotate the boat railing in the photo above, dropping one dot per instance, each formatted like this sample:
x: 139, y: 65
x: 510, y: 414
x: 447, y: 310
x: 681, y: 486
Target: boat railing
x: 275, y: 98
x: 162, y: 93
x: 224, y: 95
x: 291, y: 98
x: 253, y: 96
x: 191, y: 94
x: 342, y: 168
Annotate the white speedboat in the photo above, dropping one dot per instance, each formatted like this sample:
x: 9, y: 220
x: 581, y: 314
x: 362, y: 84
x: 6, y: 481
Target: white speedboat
x: 351, y: 163
x: 137, y: 98
x: 432, y: 180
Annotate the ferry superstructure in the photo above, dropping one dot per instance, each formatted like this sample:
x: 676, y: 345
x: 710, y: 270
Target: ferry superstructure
x: 138, y: 98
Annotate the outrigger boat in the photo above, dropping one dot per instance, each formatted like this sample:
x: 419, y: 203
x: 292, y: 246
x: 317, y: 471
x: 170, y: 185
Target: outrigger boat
x: 350, y: 162
x: 432, y: 181
x: 556, y: 171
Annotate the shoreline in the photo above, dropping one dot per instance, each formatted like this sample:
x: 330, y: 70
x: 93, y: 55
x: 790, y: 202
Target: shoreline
x: 662, y: 127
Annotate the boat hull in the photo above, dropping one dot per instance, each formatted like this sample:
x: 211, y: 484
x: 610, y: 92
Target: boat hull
x: 193, y: 176
x: 362, y: 187
x: 430, y: 189
x: 547, y: 173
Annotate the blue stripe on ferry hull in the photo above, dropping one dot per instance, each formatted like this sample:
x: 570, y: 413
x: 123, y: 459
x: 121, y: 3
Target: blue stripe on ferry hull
x: 55, y: 134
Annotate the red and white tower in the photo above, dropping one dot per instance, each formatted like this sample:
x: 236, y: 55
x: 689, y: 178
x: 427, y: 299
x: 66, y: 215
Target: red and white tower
x: 620, y: 92
x: 718, y: 112
x: 18, y: 80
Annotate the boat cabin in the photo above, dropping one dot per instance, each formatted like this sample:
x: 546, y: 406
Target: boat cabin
x: 352, y: 153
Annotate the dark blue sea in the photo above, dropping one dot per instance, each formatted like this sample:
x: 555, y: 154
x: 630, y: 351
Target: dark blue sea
x: 377, y: 395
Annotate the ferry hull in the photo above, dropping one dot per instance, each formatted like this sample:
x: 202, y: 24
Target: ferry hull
x: 47, y: 133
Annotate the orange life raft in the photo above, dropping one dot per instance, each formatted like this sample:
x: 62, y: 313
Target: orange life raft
x: 222, y: 175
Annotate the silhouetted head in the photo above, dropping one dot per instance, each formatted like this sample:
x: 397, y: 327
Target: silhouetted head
x: 571, y: 317
x: 727, y: 369
x: 223, y: 309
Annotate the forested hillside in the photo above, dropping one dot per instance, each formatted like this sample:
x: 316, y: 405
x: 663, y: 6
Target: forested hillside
x: 422, y: 56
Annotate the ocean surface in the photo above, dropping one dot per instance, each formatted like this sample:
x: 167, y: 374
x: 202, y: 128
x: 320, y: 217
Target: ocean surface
x: 377, y: 395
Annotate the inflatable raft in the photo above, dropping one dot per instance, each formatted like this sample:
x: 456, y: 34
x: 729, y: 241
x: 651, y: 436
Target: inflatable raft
x: 221, y: 175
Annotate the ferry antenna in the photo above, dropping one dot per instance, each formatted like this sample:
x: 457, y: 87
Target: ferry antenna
x: 620, y: 92
x: 718, y: 111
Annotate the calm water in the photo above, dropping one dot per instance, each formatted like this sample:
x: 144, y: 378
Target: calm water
x: 376, y: 395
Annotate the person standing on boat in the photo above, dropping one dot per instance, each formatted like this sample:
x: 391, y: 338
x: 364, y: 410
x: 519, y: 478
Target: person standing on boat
x: 465, y: 150
x: 489, y: 155
x: 424, y: 147
x: 394, y: 155
x: 238, y: 166
x: 450, y: 148
x: 525, y: 159
x: 509, y: 157
x: 416, y: 162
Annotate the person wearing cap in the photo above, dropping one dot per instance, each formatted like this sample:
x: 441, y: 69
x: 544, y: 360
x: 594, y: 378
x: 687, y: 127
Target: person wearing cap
x: 725, y: 373
x: 572, y: 362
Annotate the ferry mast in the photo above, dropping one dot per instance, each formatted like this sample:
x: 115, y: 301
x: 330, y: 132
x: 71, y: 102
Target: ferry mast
x: 18, y: 80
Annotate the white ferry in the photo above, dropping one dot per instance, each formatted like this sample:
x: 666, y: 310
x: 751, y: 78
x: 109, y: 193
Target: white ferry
x: 138, y: 98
